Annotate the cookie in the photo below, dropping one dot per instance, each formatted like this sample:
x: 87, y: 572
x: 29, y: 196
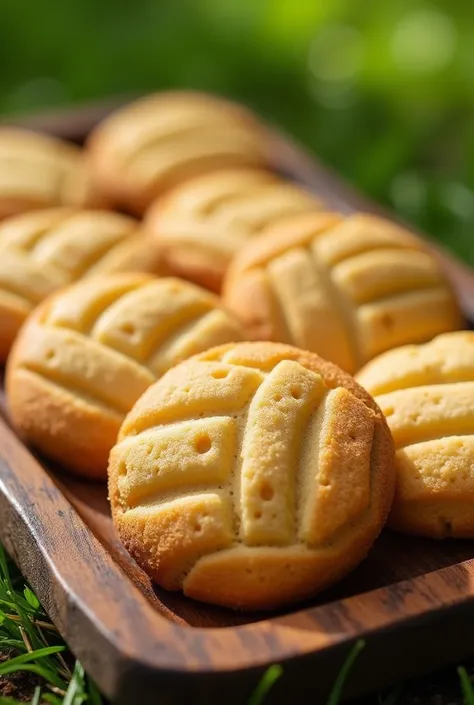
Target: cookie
x: 37, y: 171
x: 347, y: 288
x: 427, y: 395
x: 44, y: 250
x: 147, y: 147
x: 251, y: 476
x: 200, y: 226
x: 86, y: 354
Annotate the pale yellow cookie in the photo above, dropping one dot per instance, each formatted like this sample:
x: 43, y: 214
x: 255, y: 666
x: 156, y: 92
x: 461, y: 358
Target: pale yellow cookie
x: 346, y: 287
x: 44, y: 250
x: 200, y: 226
x: 86, y: 354
x: 427, y: 395
x: 149, y: 146
x: 37, y: 171
x: 251, y: 476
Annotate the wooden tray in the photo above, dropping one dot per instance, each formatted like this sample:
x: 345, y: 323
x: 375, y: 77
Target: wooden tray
x: 410, y: 599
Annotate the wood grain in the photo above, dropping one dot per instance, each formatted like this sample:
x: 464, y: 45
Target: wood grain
x: 410, y: 599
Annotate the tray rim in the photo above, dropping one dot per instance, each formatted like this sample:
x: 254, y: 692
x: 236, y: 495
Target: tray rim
x: 213, y: 650
x: 420, y: 594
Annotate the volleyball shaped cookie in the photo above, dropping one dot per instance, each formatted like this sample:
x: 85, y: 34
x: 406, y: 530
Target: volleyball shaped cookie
x: 86, y: 354
x: 347, y: 288
x: 37, y: 171
x: 201, y: 225
x: 251, y: 476
x: 159, y: 141
x: 42, y: 251
x: 427, y: 395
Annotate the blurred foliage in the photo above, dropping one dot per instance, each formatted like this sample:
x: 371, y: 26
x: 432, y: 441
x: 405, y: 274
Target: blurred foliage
x: 383, y: 91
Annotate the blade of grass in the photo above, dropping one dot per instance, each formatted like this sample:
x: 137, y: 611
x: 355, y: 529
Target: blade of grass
x: 32, y: 656
x: 466, y: 686
x: 75, y: 693
x: 50, y: 698
x: 335, y: 694
x: 94, y: 695
x: 45, y: 673
x: 36, y: 697
x: 267, y: 682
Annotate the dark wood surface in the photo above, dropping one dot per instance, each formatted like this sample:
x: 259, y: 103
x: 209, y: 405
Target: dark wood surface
x: 411, y: 599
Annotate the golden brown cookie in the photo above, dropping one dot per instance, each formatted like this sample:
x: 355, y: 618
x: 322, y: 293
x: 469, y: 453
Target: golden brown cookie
x: 37, y: 171
x: 86, y: 354
x: 347, y: 288
x: 201, y: 225
x: 149, y: 146
x: 42, y: 251
x: 427, y: 395
x: 251, y: 476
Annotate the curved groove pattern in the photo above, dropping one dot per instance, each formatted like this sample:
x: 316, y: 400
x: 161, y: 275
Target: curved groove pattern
x: 103, y: 343
x: 348, y: 289
x: 47, y: 250
x: 290, y: 460
x: 216, y: 214
x: 426, y: 394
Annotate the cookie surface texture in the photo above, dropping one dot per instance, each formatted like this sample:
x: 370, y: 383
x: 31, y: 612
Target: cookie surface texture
x: 427, y: 395
x: 251, y: 476
x: 86, y: 354
x: 347, y: 288
x: 37, y: 171
x: 43, y: 251
x: 147, y: 147
x: 199, y: 227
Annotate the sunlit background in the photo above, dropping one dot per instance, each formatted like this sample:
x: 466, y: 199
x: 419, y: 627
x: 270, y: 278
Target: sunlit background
x: 381, y: 89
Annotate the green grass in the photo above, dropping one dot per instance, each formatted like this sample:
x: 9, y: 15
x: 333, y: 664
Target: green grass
x: 31, y: 645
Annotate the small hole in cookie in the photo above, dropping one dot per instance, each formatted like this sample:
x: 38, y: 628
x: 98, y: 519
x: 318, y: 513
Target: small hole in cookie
x: 266, y: 492
x: 388, y: 411
x: 50, y: 354
x: 296, y: 392
x: 128, y: 329
x: 277, y: 397
x: 203, y: 443
x: 197, y: 527
x: 257, y: 515
x: 219, y: 374
x: 386, y: 320
x: 249, y: 571
x: 122, y: 469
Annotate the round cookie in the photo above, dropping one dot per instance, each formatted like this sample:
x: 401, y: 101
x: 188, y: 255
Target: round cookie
x: 347, y: 288
x: 149, y: 146
x: 44, y: 250
x: 37, y: 171
x: 251, y: 476
x: 201, y: 225
x: 87, y: 353
x: 427, y: 395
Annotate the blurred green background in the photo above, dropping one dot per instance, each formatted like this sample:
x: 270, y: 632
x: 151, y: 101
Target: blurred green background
x: 383, y: 90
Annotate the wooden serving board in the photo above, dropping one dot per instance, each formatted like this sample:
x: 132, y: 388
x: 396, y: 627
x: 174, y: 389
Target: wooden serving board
x: 411, y: 599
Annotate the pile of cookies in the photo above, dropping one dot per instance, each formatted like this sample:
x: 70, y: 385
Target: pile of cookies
x: 178, y: 316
